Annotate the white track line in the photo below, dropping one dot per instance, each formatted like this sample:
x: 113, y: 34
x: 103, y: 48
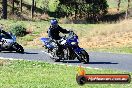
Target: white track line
x: 9, y: 58
x: 46, y: 53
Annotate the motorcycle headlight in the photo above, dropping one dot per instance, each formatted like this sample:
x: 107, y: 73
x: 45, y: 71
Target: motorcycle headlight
x: 73, y: 43
x: 63, y: 42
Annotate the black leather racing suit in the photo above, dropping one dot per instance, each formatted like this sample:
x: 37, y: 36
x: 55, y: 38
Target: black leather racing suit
x: 53, y: 33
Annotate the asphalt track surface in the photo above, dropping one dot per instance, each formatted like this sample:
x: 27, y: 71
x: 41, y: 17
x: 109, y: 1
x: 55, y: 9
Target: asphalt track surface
x: 99, y: 60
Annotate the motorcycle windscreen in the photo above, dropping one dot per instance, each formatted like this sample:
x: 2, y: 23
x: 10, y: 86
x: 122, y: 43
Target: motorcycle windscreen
x: 44, y: 40
x: 14, y: 37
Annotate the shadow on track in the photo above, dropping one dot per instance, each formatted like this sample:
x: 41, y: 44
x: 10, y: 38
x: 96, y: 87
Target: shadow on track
x: 70, y: 61
x: 102, y: 63
x: 18, y: 53
x: 89, y: 62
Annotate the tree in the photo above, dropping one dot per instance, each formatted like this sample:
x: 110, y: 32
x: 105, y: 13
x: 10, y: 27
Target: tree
x: 32, y: 9
x: 119, y: 2
x: 128, y: 6
x: 12, y: 2
x: 21, y: 5
x: 53, y: 4
x: 84, y: 9
x: 4, y: 9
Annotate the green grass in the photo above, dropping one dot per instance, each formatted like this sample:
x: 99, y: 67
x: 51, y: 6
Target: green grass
x: 114, y: 4
x: 122, y: 50
x: 28, y: 38
x: 34, y: 74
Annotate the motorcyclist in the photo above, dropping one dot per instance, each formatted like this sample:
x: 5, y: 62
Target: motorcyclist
x: 3, y: 34
x: 54, y: 30
x: 0, y: 37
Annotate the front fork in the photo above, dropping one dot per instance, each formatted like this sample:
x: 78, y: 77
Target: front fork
x: 77, y: 52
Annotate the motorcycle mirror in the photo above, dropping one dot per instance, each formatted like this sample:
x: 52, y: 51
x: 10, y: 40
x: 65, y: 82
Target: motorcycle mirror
x: 10, y: 33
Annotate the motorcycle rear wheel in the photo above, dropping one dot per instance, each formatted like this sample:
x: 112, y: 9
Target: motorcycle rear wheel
x: 19, y: 48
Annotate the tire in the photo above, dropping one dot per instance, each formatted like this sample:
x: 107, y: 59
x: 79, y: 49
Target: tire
x: 84, y: 57
x: 19, y: 49
x: 56, y: 60
x: 81, y: 80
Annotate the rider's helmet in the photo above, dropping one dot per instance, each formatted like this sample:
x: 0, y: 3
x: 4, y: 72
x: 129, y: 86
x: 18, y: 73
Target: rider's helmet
x: 54, y: 22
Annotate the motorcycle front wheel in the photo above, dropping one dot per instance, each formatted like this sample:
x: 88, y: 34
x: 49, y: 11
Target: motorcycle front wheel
x: 83, y: 56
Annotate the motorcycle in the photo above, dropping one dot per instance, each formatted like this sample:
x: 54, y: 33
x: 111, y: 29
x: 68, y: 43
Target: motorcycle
x: 69, y: 48
x: 8, y: 43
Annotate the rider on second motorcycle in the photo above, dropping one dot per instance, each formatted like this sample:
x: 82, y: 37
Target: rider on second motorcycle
x: 54, y: 30
x: 0, y: 39
x: 1, y: 32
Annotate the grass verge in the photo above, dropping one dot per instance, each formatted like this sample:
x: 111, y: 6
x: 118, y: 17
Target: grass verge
x: 34, y: 74
x: 122, y: 50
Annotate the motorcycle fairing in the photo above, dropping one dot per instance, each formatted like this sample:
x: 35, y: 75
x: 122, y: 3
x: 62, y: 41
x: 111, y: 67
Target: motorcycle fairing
x: 48, y: 43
